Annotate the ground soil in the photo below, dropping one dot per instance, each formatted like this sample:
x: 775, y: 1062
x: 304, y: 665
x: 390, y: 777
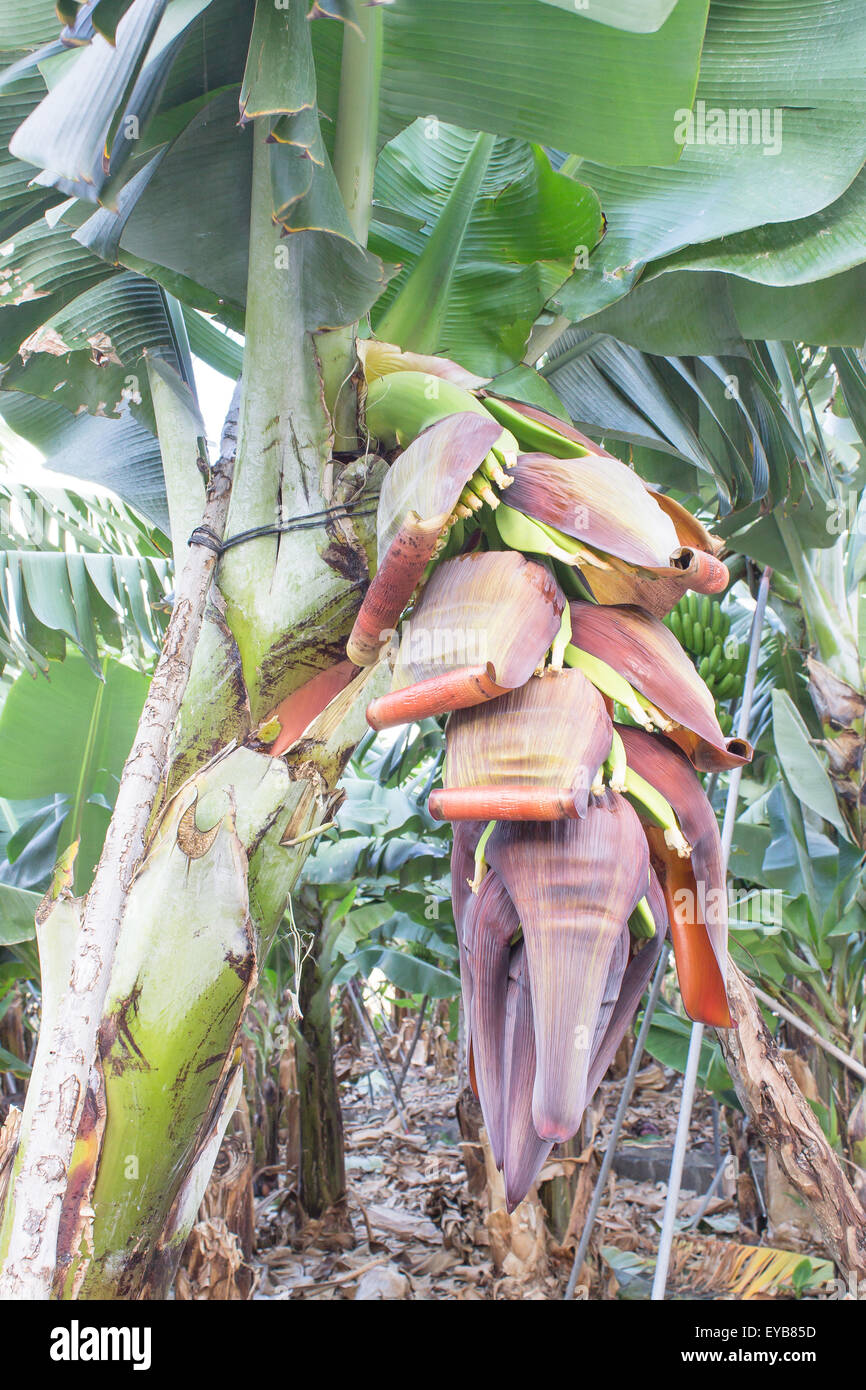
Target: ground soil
x: 417, y: 1221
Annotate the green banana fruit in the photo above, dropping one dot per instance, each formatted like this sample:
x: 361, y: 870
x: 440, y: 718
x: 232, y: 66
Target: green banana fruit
x: 650, y: 803
x: 532, y: 434
x: 520, y: 532
x: 609, y: 682
x: 641, y: 923
x: 615, y: 765
x: 400, y: 405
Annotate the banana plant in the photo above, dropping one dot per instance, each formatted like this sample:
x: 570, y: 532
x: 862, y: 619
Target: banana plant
x: 84, y: 570
x: 257, y: 702
x: 77, y: 567
x: 80, y: 570
x: 805, y: 838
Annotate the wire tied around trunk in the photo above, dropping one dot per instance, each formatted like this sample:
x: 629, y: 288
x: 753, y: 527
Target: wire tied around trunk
x: 203, y: 535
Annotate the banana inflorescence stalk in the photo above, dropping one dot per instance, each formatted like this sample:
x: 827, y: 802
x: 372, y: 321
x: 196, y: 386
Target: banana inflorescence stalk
x: 561, y: 613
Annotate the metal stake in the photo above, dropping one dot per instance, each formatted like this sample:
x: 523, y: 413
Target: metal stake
x: 681, y: 1141
x: 710, y: 1193
x: 625, y: 1098
x: 676, y: 1174
x: 376, y: 1048
x: 414, y: 1043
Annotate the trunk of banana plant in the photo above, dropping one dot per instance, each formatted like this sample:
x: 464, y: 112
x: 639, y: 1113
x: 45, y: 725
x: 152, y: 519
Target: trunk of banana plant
x: 322, y: 1172
x: 557, y: 1194
x: 786, y: 1122
x: 63, y: 1125
x: 828, y: 595
x: 139, y: 1065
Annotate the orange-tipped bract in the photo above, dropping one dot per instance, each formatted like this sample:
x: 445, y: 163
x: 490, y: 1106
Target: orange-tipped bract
x: 481, y: 627
x: 642, y: 649
x: 638, y: 557
x: 596, y: 500
x: 533, y: 755
x: 694, y: 888
x: 418, y: 497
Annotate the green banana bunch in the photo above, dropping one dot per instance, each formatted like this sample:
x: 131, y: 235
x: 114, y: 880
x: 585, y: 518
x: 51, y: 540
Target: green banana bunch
x: 703, y: 629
